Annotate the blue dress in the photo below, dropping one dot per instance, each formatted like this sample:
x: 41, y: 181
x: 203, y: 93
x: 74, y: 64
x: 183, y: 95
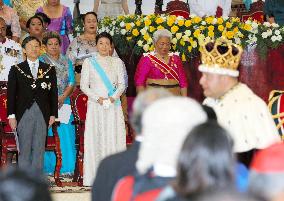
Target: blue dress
x: 65, y: 77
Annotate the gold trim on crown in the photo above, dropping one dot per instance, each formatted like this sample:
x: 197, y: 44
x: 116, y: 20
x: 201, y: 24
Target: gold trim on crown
x: 213, y: 61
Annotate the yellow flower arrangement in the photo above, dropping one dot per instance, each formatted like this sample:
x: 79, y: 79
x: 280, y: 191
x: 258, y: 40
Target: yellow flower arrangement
x: 188, y: 23
x: 136, y: 32
x: 159, y: 20
x: 174, y: 29
x: 181, y: 22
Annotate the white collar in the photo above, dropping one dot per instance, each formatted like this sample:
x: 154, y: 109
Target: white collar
x: 138, y: 138
x: 36, y: 62
x: 164, y: 170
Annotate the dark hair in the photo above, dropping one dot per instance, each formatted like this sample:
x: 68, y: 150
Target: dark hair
x: 206, y: 160
x: 28, y: 39
x: 211, y: 115
x: 44, y: 17
x: 28, y: 24
x: 24, y: 185
x: 50, y: 35
x: 89, y: 13
x: 103, y: 35
x: 2, y: 19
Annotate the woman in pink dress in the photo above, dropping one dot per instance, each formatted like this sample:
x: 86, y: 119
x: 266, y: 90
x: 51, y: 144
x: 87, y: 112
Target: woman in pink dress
x: 161, y: 68
x: 61, y: 20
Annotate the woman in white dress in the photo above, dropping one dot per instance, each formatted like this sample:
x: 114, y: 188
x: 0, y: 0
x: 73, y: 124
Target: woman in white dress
x: 111, y: 8
x: 102, y: 80
x: 204, y: 8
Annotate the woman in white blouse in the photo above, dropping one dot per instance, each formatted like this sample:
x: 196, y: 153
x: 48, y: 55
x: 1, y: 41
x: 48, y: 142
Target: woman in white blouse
x: 102, y: 80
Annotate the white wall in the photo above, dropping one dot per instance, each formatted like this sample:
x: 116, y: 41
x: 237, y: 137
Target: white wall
x: 87, y: 5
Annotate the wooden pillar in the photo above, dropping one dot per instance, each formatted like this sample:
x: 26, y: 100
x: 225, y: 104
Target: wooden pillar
x: 138, y: 4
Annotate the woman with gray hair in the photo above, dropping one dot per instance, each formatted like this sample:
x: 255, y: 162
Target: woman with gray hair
x: 161, y: 68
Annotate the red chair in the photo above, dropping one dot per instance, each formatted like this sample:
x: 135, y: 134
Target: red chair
x: 255, y: 12
x: 8, y: 143
x: 7, y: 138
x: 178, y: 8
x: 79, y: 108
x: 276, y: 107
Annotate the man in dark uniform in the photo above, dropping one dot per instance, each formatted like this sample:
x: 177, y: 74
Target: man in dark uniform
x: 32, y: 103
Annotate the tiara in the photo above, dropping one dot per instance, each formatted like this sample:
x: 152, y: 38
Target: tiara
x: 220, y: 57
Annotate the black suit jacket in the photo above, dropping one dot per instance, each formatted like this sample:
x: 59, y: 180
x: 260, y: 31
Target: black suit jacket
x: 24, y: 90
x: 111, y: 169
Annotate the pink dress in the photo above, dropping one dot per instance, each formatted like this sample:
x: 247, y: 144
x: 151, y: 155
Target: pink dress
x: 61, y: 25
x: 147, y: 70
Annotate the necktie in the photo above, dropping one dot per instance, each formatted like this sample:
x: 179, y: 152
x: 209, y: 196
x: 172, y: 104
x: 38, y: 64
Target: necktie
x: 34, y: 71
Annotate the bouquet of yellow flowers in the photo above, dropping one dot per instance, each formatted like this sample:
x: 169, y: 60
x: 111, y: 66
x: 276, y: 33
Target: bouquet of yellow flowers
x: 136, y: 31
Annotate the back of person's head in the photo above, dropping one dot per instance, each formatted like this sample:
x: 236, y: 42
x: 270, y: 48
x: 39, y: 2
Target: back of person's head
x: 165, y: 125
x: 206, y: 160
x: 44, y: 17
x: 23, y: 185
x: 141, y: 102
x: 266, y: 179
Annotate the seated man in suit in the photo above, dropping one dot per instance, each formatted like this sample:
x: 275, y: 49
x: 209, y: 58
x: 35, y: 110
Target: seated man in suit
x: 32, y: 103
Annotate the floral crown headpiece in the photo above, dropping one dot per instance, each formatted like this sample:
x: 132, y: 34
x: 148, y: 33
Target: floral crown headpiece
x: 220, y: 57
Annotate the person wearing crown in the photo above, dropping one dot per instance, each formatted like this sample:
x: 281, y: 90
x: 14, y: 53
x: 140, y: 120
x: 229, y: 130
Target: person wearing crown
x: 161, y: 68
x: 32, y: 102
x: 238, y: 109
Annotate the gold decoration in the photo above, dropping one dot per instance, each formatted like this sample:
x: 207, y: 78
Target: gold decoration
x: 1, y: 65
x: 213, y: 58
x: 40, y: 73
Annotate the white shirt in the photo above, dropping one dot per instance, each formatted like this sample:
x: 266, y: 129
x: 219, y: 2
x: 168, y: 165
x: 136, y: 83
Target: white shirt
x: 33, y: 63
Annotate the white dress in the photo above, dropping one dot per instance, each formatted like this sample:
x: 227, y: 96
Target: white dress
x: 111, y: 8
x: 203, y: 8
x: 246, y: 117
x: 104, y: 129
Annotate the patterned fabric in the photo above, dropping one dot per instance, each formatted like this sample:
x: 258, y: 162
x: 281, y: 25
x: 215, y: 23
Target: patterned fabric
x: 10, y: 54
x: 276, y: 107
x: 146, y: 69
x: 80, y: 49
x: 62, y: 25
x: 112, y: 8
x: 12, y: 19
x: 246, y: 117
x: 104, y: 128
x: 65, y: 77
x: 27, y: 8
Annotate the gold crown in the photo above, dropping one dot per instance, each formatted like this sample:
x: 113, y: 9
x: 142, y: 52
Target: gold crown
x: 220, y: 56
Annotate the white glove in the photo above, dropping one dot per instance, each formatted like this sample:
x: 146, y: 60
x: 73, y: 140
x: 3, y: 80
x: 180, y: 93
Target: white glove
x: 106, y: 104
